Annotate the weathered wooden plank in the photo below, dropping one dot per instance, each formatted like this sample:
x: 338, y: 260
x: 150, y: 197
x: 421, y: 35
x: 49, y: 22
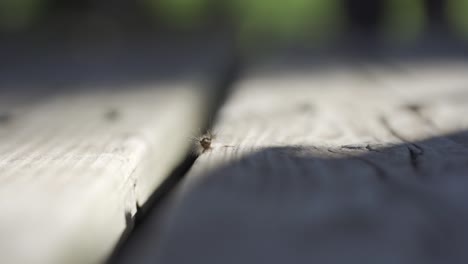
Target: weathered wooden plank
x: 346, y: 162
x: 76, y: 161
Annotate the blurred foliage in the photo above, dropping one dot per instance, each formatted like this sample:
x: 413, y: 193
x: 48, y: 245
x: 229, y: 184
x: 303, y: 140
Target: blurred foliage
x: 457, y: 12
x: 182, y: 13
x: 404, y: 20
x: 286, y: 19
x: 19, y: 14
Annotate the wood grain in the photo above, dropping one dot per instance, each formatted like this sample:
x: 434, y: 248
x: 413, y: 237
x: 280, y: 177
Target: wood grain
x: 88, y: 139
x: 346, y: 162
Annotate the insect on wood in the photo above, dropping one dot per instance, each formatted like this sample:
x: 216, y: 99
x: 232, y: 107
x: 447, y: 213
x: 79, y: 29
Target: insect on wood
x: 204, y: 142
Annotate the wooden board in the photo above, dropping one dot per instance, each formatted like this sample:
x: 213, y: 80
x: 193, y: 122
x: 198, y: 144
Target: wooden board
x: 86, y: 136
x: 338, y: 162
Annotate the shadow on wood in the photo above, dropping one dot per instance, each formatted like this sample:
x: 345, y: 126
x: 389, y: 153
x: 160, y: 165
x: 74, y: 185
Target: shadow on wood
x: 350, y: 204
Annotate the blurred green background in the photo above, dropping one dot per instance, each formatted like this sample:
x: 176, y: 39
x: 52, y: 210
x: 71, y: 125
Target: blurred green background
x: 318, y: 19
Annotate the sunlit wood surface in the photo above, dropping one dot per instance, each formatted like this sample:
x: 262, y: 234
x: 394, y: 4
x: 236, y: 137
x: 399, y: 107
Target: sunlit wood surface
x: 87, y: 136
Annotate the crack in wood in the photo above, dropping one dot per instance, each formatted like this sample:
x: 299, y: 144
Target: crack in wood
x: 415, y: 151
x: 370, y: 148
x: 352, y: 147
x: 367, y: 147
x: 224, y: 79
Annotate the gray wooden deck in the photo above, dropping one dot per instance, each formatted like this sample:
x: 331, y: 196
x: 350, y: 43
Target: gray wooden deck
x: 314, y: 160
x: 342, y: 162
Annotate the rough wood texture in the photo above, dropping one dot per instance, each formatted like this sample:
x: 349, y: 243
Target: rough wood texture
x: 339, y: 163
x: 77, y: 161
